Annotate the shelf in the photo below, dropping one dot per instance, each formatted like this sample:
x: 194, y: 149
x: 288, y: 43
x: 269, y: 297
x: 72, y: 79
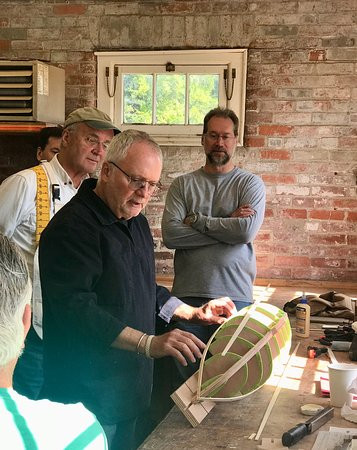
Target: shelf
x: 21, y: 127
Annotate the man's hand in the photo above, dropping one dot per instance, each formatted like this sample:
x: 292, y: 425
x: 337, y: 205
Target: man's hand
x: 214, y: 312
x: 179, y: 344
x: 243, y: 211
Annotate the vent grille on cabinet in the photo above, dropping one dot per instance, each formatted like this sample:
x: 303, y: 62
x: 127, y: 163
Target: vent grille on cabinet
x: 31, y: 91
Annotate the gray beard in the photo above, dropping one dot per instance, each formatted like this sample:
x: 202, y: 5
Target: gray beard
x: 216, y: 160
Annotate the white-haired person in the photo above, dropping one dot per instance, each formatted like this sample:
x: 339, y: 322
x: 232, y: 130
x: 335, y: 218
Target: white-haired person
x: 24, y: 423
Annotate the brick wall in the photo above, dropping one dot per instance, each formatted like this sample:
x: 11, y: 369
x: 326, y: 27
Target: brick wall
x: 301, y: 127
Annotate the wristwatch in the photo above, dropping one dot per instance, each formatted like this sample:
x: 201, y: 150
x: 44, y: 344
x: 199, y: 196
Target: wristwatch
x: 191, y: 219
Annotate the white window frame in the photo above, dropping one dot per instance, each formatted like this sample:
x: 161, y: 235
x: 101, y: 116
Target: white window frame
x: 177, y: 135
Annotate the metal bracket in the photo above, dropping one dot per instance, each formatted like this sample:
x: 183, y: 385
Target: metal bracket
x: 170, y: 67
x: 225, y: 76
x: 116, y: 72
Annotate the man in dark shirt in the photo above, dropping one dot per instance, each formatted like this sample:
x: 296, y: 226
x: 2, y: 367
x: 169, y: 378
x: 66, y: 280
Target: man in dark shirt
x: 100, y: 298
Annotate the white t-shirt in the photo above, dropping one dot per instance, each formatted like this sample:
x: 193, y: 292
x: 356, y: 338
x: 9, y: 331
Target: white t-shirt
x: 44, y: 425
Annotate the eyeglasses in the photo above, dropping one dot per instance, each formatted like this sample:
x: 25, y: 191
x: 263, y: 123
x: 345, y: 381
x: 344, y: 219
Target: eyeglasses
x: 139, y: 183
x: 216, y: 137
x: 92, y: 142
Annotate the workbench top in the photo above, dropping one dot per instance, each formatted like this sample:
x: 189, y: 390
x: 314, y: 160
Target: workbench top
x: 229, y: 425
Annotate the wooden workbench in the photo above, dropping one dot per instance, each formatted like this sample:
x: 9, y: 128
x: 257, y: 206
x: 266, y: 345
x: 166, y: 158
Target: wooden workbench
x: 229, y: 425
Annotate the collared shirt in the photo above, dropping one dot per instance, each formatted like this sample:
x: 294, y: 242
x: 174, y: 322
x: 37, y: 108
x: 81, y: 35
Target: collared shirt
x: 18, y: 205
x: 98, y: 277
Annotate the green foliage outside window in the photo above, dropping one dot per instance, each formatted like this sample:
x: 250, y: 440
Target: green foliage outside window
x: 203, y: 97
x: 170, y: 98
x: 137, y: 90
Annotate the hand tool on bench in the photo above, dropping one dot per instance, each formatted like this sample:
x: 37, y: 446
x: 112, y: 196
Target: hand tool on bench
x: 301, y: 430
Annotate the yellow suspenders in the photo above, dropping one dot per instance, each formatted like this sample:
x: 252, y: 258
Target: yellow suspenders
x: 42, y: 201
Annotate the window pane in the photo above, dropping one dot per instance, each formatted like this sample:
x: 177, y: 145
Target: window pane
x: 137, y: 94
x: 170, y: 99
x: 203, y: 96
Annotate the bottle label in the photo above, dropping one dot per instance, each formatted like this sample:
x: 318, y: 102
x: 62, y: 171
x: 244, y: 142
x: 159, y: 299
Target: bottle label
x: 300, y: 313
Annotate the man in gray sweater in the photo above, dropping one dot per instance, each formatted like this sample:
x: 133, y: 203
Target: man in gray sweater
x: 211, y: 218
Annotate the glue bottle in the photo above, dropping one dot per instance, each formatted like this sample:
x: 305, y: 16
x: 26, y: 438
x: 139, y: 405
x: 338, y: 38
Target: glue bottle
x: 302, y: 318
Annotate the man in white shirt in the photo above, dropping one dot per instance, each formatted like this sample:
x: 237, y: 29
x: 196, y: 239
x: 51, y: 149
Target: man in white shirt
x: 26, y: 423
x: 28, y: 199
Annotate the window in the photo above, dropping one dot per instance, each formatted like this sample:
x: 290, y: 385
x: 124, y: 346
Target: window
x: 168, y: 93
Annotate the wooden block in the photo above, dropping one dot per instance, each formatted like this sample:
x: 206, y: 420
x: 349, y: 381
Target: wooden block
x: 183, y: 396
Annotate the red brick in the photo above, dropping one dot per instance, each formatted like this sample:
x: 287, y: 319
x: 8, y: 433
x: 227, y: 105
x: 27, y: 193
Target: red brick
x: 263, y: 236
x: 254, y: 141
x: 69, y: 10
x: 264, y: 261
x: 275, y: 130
x: 279, y: 179
x: 303, y: 202
x: 269, y: 213
x: 176, y: 8
x: 335, y: 227
x: 164, y: 267
x: 292, y: 261
x: 274, y: 272
x: 329, y: 191
x: 352, y: 216
x: 347, y: 142
x: 156, y: 232
x: 251, y: 105
x: 323, y: 239
x: 317, y: 55
x: 345, y: 203
x: 163, y: 255
x: 4, y: 45
x: 321, y: 273
x: 326, y: 215
x: 80, y: 80
x: 295, y: 213
x: 326, y: 262
x: 352, y: 240
x: 275, y: 154
x: 259, y: 117
x: 290, y: 167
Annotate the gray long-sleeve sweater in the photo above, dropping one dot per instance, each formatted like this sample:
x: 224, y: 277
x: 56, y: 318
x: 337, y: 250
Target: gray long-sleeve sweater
x: 214, y: 257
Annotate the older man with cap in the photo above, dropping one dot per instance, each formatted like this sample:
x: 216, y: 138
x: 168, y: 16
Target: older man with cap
x: 28, y: 200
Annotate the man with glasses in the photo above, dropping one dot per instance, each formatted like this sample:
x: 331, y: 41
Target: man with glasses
x: 100, y: 296
x: 28, y: 199
x: 211, y: 218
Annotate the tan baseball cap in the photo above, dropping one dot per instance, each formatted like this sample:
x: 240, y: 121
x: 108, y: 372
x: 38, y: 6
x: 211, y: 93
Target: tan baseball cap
x: 92, y: 117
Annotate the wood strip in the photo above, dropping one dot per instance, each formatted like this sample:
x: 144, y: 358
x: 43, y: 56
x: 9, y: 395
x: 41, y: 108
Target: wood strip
x: 244, y: 321
x: 275, y: 395
x: 332, y: 356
